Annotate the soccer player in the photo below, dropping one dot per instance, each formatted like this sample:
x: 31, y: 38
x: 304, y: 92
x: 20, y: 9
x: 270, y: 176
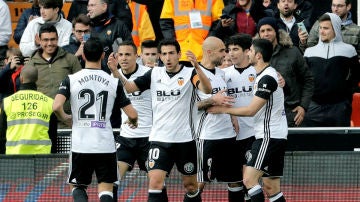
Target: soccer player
x: 93, y: 94
x: 132, y: 144
x: 266, y: 158
x: 240, y: 79
x: 216, y: 133
x: 172, y: 90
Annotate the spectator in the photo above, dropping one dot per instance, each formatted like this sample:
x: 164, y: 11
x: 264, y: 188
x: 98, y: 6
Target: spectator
x: 216, y: 133
x: 80, y: 33
x: 289, y: 62
x: 335, y: 67
x: 26, y: 121
x: 190, y: 22
x: 226, y: 61
x: 50, y: 14
x: 267, y: 106
x: 92, y: 145
x: 349, y: 30
x: 240, y: 17
x: 26, y: 16
x: 149, y: 54
x: 288, y: 19
x: 52, y: 62
x: 10, y: 74
x: 172, y: 90
x: 132, y: 144
x: 107, y: 28
x: 5, y: 30
x: 119, y: 8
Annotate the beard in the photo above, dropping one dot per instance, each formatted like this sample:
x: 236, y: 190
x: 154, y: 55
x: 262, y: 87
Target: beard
x: 288, y: 14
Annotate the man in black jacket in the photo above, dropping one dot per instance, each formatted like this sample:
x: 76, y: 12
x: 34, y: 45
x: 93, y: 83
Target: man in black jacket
x: 107, y: 28
x: 289, y: 62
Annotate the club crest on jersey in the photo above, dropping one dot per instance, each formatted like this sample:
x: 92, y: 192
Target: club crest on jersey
x: 180, y: 81
x: 151, y: 163
x: 189, y: 167
x: 251, y: 77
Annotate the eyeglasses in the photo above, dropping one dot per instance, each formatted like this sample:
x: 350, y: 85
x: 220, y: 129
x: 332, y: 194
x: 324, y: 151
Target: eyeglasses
x: 338, y: 5
x: 93, y: 5
x: 49, y: 39
x: 79, y: 31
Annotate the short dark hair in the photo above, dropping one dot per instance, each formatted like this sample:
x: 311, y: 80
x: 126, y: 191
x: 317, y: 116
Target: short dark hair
x: 242, y: 40
x: 148, y: 44
x: 324, y: 17
x: 47, y: 28
x: 93, y: 49
x: 264, y: 47
x: 169, y: 42
x: 129, y: 43
x: 51, y: 4
x: 82, y: 19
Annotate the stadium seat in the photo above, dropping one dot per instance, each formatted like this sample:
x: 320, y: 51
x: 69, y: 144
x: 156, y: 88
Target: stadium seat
x: 355, y: 114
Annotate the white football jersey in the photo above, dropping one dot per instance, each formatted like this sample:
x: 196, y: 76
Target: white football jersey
x: 270, y: 120
x: 240, y: 86
x: 93, y: 93
x: 213, y: 126
x: 141, y: 101
x: 172, y: 102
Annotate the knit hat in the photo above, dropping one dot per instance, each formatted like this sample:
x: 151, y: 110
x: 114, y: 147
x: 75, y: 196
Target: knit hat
x: 268, y: 21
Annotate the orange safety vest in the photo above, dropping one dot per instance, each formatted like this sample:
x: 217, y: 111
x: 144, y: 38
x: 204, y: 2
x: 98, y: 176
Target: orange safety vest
x: 142, y: 27
x: 192, y: 38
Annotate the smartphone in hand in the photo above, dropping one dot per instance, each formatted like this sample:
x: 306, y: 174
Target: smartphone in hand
x: 225, y: 16
x: 86, y: 37
x: 302, y: 27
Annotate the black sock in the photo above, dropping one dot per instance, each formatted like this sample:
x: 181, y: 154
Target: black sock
x: 79, y: 194
x: 279, y: 197
x: 236, y: 194
x: 115, y: 192
x: 106, y: 198
x: 157, y: 196
x: 164, y: 194
x: 256, y: 194
x: 193, y: 197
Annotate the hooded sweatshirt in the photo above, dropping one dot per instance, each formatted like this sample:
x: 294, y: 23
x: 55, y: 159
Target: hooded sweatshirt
x: 334, y: 66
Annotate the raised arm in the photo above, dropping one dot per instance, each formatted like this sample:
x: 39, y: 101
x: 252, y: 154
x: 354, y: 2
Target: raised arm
x: 204, y: 85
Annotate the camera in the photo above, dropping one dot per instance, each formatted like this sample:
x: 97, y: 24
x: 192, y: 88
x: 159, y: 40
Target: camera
x: 21, y: 60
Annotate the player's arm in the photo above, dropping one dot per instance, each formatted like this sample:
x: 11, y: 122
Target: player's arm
x: 220, y: 98
x: 250, y: 110
x: 199, y: 80
x: 132, y: 114
x: 60, y: 98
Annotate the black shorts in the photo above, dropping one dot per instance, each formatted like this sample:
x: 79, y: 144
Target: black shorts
x: 220, y: 161
x: 243, y: 148
x: 130, y: 150
x: 82, y: 167
x: 163, y: 156
x: 268, y: 155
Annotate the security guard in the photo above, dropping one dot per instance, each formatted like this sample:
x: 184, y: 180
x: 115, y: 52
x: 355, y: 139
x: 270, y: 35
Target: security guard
x: 25, y: 126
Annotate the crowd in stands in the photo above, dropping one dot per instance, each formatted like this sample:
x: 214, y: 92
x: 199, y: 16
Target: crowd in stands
x: 317, y: 65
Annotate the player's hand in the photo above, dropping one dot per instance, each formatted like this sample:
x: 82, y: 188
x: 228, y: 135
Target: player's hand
x: 281, y: 80
x: 192, y: 58
x: 68, y: 120
x: 132, y: 123
x: 300, y: 113
x: 220, y: 98
x: 216, y: 109
x: 112, y: 62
